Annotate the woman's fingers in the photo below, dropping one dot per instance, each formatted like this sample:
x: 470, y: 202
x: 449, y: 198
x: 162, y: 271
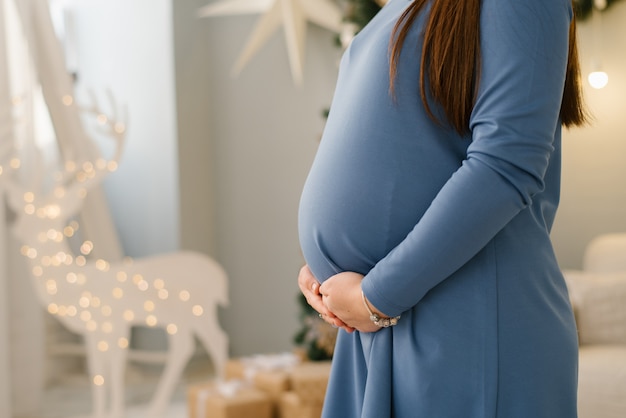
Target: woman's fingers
x: 310, y: 288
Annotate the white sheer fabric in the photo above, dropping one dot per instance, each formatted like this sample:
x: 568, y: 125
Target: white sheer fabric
x: 33, y: 70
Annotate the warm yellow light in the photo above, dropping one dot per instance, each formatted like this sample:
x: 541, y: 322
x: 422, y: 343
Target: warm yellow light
x: 81, y: 278
x: 163, y: 294
x: 151, y: 320
x: 95, y: 302
x: 121, y: 276
x: 158, y: 284
x: 598, y: 79
x: 53, y: 308
x: 129, y: 315
x: 71, y: 277
x: 118, y: 293
x: 86, y: 248
x: 102, y: 265
x: 148, y: 306
x: 106, y: 310
x: 98, y: 380
x: 172, y: 329
x: 197, y: 310
x: 51, y: 287
x: 67, y: 100
x: 85, y: 316
x: 84, y: 302
x: 122, y: 343
x: 184, y: 295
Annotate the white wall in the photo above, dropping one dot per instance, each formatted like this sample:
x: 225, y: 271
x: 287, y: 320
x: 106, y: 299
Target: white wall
x: 126, y: 46
x: 594, y: 158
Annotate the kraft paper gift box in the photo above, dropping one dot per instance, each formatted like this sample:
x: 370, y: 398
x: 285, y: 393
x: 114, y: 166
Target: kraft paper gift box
x: 269, y: 372
x: 247, y: 367
x: 309, y: 381
x: 291, y: 406
x: 233, y: 399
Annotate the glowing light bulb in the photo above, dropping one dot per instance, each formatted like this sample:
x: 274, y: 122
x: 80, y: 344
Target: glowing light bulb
x: 151, y: 320
x: 172, y: 329
x: 598, y: 79
x: 129, y: 315
x: 67, y: 100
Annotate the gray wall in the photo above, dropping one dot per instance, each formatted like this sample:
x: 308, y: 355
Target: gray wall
x: 245, y: 147
x: 246, y: 144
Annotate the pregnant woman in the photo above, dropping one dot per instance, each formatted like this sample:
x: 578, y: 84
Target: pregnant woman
x: 425, y: 218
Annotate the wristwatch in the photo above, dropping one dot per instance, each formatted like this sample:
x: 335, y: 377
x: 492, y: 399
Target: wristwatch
x: 377, y: 319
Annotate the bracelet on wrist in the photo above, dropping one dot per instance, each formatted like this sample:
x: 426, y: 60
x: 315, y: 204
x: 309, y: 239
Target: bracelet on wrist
x: 377, y: 319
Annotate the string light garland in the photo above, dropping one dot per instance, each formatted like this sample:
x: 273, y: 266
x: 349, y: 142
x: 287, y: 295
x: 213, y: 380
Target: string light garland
x: 102, y: 300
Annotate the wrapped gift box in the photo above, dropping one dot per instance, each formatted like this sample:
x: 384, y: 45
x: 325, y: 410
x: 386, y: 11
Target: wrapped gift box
x: 269, y: 372
x: 232, y: 400
x: 309, y: 381
x: 291, y: 406
x: 274, y: 383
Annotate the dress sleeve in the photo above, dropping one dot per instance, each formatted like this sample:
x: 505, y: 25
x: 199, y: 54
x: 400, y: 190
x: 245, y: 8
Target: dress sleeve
x: 524, y: 49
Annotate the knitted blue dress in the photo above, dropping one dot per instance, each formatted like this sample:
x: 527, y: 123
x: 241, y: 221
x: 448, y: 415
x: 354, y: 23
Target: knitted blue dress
x: 451, y: 232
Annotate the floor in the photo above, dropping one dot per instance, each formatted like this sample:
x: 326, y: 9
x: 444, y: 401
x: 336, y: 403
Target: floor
x: 71, y: 398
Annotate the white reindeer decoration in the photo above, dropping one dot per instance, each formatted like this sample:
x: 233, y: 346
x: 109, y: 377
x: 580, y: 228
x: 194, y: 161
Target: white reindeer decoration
x: 103, y: 300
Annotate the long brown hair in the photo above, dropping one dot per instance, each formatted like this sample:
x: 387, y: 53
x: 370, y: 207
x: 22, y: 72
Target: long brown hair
x: 442, y: 55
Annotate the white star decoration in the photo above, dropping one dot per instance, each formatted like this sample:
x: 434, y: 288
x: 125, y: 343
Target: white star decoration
x: 293, y: 15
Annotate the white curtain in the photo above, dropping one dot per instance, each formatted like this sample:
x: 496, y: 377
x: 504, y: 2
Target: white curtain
x: 32, y: 64
x: 5, y: 135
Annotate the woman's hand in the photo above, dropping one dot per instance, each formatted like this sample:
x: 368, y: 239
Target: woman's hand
x: 341, y: 294
x: 310, y: 288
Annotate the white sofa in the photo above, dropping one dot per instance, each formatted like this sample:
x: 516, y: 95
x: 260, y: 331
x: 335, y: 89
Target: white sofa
x: 598, y: 294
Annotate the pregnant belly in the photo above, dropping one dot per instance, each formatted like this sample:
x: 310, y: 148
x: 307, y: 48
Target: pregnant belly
x: 350, y: 222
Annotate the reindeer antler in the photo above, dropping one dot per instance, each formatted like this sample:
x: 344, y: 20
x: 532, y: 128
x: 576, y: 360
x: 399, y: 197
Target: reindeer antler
x: 91, y: 173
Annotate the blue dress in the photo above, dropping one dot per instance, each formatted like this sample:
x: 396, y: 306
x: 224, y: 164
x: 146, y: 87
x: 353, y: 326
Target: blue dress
x: 450, y: 231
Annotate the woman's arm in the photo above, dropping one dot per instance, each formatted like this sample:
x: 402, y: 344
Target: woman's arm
x: 524, y: 49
